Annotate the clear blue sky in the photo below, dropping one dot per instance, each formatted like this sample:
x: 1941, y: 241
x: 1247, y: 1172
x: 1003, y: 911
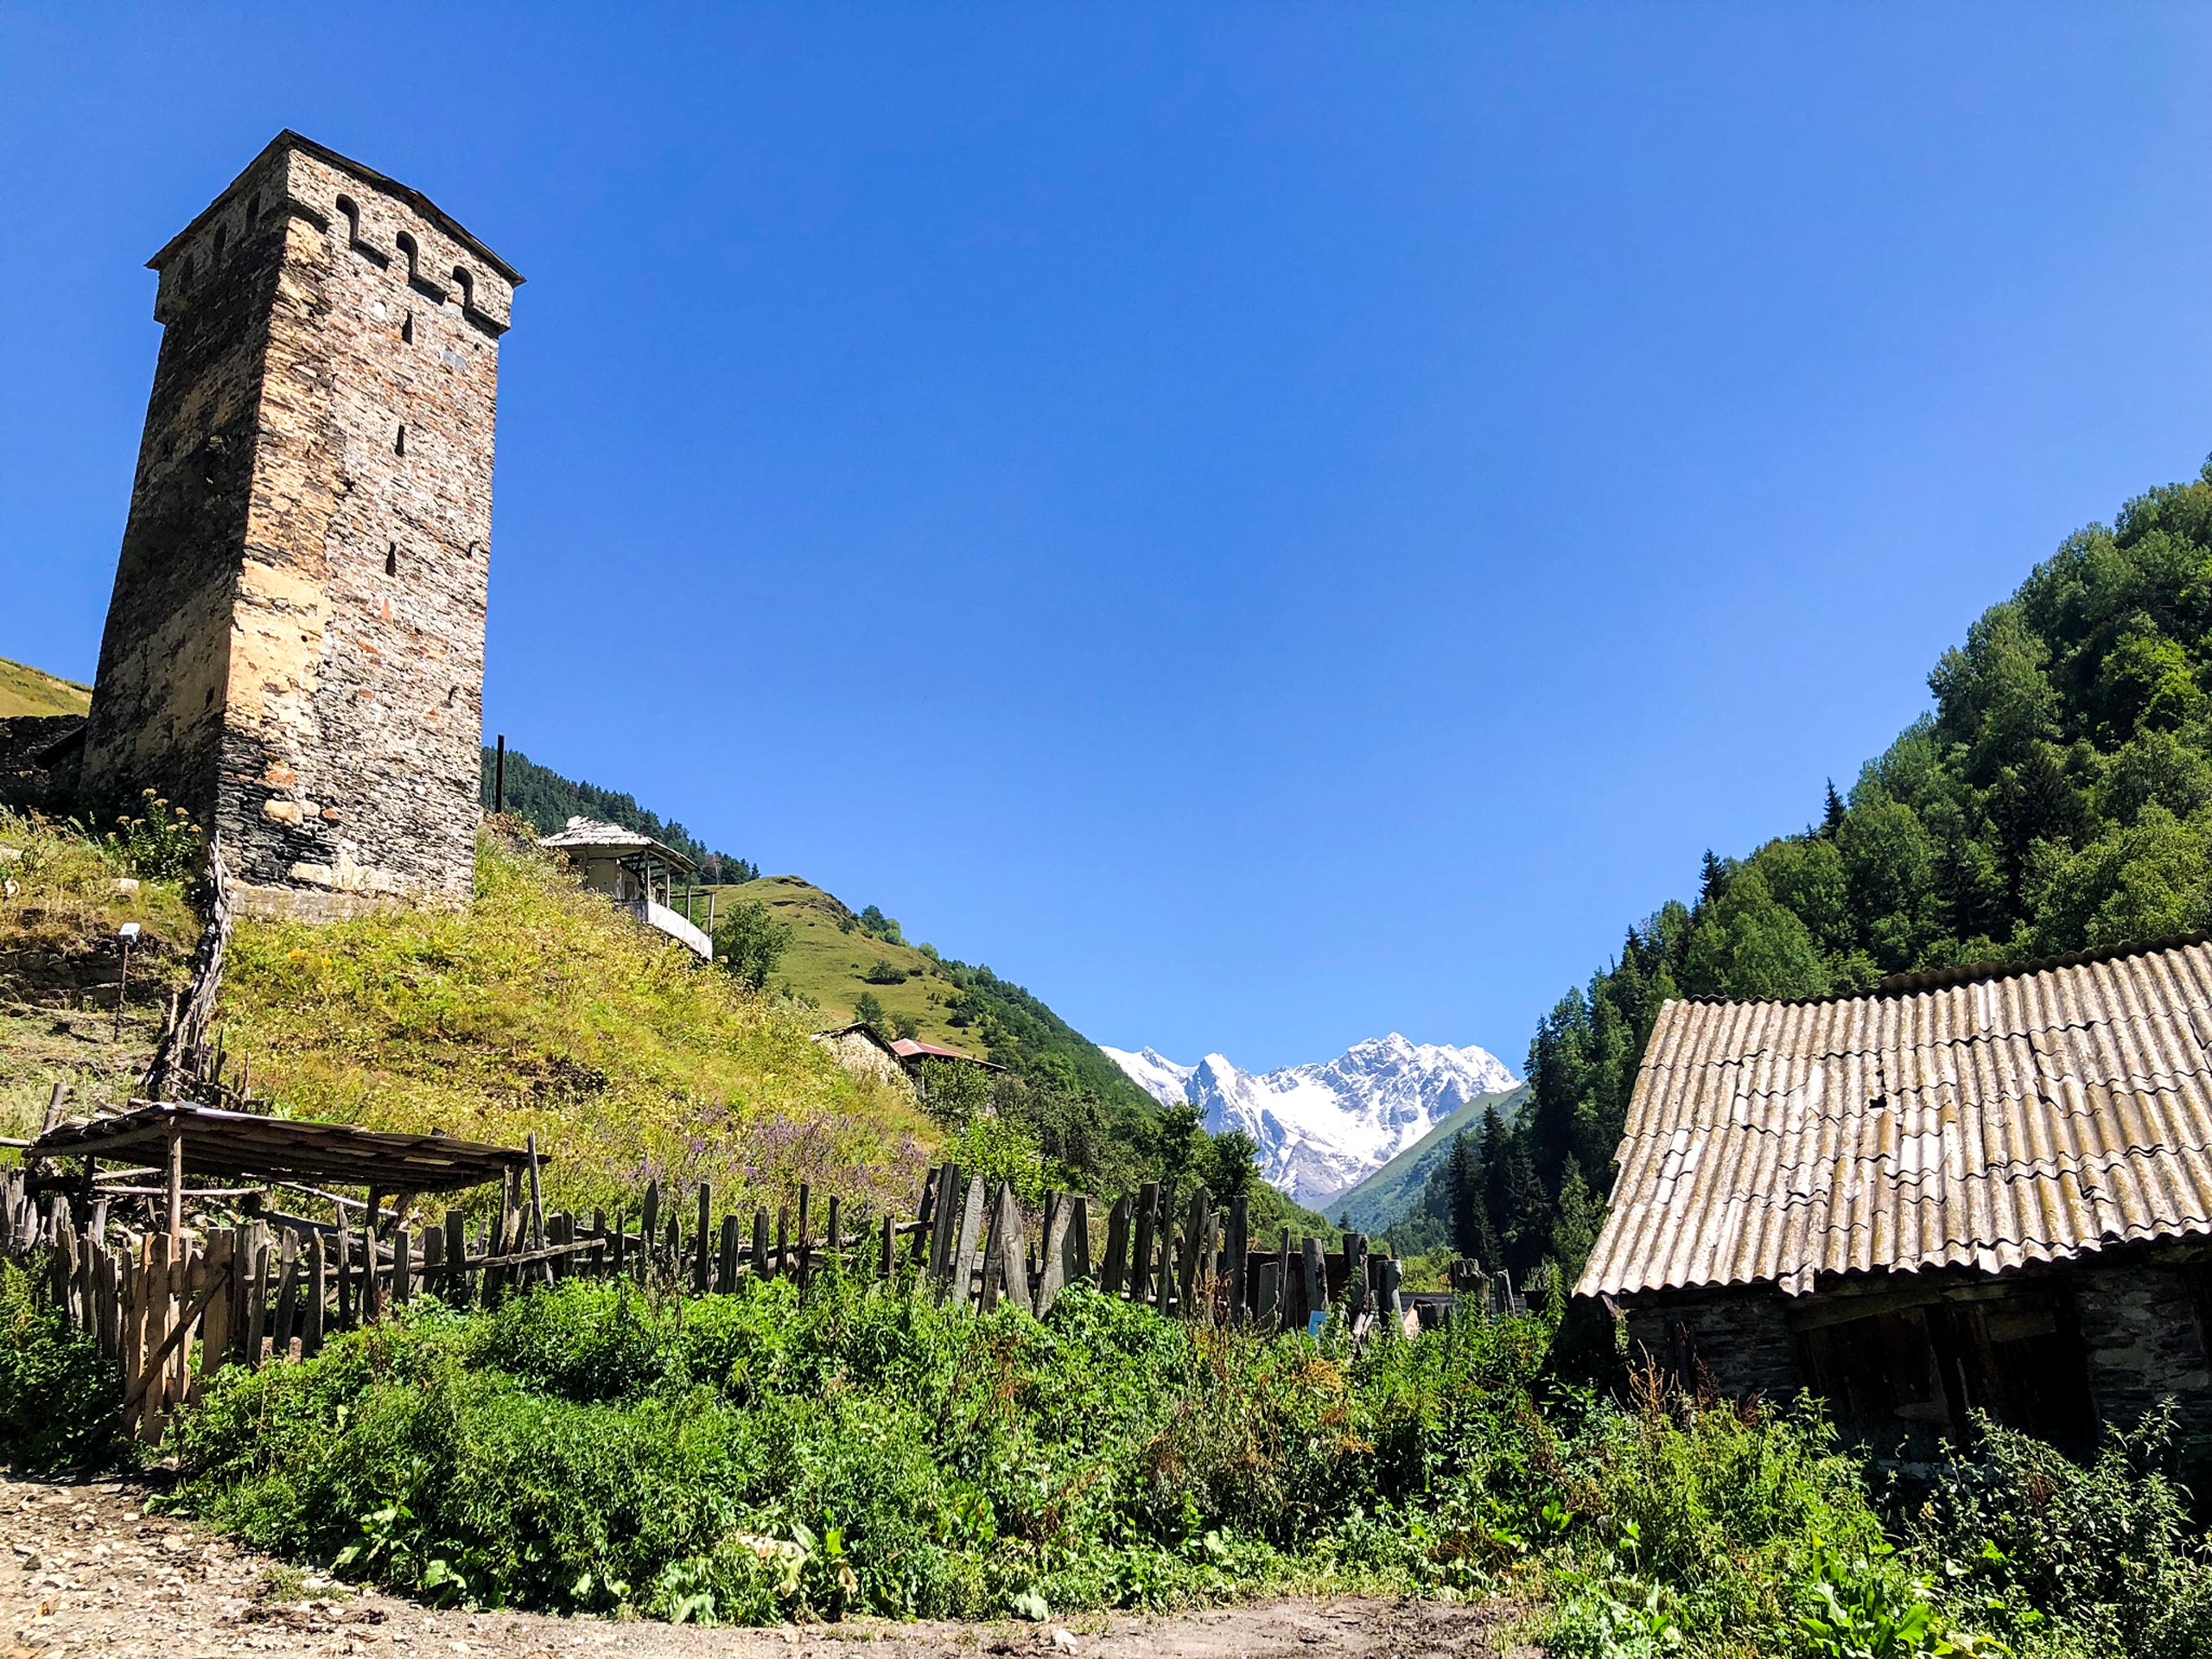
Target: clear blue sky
x: 1268, y: 525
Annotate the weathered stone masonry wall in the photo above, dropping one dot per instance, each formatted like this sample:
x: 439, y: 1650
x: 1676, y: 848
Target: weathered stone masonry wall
x: 1738, y: 1339
x: 350, y: 559
x: 2140, y: 1328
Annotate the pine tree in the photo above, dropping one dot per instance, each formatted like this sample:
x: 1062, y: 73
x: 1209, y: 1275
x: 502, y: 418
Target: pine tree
x: 1833, y: 820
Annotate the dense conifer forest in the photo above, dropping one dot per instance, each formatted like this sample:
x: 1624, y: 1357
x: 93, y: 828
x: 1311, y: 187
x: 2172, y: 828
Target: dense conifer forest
x: 546, y: 800
x: 2058, y: 797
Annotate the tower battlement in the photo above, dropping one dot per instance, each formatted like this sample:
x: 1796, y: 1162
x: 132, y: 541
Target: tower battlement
x: 295, y: 647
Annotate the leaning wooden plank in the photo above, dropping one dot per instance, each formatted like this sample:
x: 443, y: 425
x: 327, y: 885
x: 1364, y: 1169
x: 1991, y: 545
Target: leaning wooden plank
x: 726, y: 1275
x: 1114, y: 1271
x: 215, y: 1324
x: 402, y: 1271
x: 1163, y: 1269
x: 759, y: 1244
x: 702, y: 1242
x: 318, y: 1291
x: 257, y: 1295
x: 159, y: 1362
x: 1052, y: 1273
x: 1198, y: 1241
x: 1078, y: 1266
x: 287, y: 1293
x: 456, y: 1251
x: 945, y: 1235
x: 1266, y: 1295
x: 968, y: 1249
x: 1146, y: 1221
x: 1235, y: 1245
x: 1012, y: 1267
x: 153, y: 1375
x: 434, y: 1261
x: 1317, y: 1280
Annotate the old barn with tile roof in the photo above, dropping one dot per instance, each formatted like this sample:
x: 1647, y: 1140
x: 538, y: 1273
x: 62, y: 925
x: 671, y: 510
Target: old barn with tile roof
x: 1985, y: 1188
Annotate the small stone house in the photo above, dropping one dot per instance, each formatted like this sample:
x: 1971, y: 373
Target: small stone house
x: 1987, y: 1188
x: 864, y: 1053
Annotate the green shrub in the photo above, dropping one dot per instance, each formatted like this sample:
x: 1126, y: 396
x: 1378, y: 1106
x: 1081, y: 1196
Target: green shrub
x: 775, y: 1452
x: 2106, y: 1550
x: 59, y: 1400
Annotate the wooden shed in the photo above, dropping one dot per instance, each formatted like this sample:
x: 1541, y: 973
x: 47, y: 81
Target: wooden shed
x: 1988, y: 1188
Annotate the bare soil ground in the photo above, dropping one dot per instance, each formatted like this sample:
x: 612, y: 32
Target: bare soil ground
x: 84, y: 1571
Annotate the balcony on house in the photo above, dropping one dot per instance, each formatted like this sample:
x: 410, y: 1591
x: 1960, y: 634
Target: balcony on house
x: 638, y: 874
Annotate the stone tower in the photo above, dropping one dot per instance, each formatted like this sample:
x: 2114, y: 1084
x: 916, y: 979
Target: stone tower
x: 294, y: 649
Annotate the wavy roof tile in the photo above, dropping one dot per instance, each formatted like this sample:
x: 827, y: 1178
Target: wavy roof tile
x: 2027, y: 1113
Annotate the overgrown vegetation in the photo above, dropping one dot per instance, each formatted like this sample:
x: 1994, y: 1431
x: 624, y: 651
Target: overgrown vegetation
x: 2058, y: 797
x: 58, y: 1398
x: 785, y: 1453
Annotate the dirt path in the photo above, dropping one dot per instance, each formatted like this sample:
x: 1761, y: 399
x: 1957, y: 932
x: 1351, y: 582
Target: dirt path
x: 84, y: 1571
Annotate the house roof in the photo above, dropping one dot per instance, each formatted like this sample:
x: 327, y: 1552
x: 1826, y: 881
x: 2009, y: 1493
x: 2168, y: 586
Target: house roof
x: 907, y: 1049
x: 2030, y: 1114
x: 219, y: 1143
x: 592, y: 835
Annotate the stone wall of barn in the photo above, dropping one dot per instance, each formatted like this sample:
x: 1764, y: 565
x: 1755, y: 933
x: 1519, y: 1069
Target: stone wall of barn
x: 2140, y: 1318
x: 1738, y: 1340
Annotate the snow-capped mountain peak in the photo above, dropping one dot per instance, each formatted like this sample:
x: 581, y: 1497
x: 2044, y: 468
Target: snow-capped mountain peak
x: 1321, y: 1127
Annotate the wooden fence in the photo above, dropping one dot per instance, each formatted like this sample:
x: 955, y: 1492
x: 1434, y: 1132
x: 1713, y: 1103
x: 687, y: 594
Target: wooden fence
x: 169, y: 1314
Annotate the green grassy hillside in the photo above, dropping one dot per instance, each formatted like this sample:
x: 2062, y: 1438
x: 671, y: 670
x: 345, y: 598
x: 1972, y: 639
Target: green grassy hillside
x: 540, y: 1009
x: 835, y: 959
x: 830, y: 957
x: 25, y: 691
x: 1395, y: 1189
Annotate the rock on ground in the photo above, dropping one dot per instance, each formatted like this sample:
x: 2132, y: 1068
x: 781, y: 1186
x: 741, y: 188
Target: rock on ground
x: 84, y: 1571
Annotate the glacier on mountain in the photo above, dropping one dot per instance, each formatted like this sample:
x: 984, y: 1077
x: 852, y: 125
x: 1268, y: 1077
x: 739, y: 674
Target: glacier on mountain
x: 1321, y: 1128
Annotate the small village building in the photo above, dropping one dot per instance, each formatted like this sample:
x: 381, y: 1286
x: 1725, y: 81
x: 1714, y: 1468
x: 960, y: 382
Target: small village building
x: 1987, y: 1188
x: 639, y: 873
x: 862, y: 1050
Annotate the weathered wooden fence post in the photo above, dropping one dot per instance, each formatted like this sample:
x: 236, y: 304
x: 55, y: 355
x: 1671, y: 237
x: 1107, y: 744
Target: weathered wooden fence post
x: 1239, y: 1211
x: 1141, y: 1253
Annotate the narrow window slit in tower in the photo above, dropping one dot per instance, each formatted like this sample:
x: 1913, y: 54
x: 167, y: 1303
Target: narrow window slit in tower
x: 391, y: 560
x: 399, y: 443
x: 407, y: 329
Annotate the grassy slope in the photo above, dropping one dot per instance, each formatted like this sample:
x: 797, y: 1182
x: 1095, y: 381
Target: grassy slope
x: 26, y: 690
x: 1395, y: 1188
x: 57, y: 968
x: 830, y: 955
x: 540, y: 1009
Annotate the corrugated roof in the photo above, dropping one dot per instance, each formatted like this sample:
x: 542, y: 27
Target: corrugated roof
x: 2028, y: 1114
x: 590, y: 835
x: 906, y: 1048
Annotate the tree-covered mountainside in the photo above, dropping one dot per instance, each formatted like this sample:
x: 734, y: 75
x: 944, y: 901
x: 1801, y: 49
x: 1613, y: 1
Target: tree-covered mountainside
x: 2059, y: 797
x: 546, y: 800
x: 1392, y: 1193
